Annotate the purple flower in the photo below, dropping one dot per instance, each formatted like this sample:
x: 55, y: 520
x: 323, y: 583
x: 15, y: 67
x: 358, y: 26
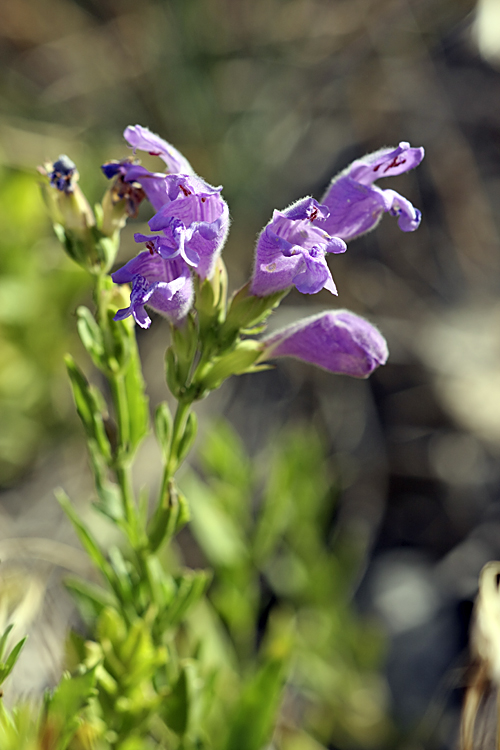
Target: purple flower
x: 338, y: 341
x: 165, y: 286
x: 133, y: 181
x: 191, y: 215
x: 356, y: 205
x: 291, y: 251
x: 194, y: 223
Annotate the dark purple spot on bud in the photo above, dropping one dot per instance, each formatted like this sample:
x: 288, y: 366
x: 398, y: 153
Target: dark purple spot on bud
x: 154, y: 153
x: 112, y: 168
x: 63, y: 174
x: 395, y: 163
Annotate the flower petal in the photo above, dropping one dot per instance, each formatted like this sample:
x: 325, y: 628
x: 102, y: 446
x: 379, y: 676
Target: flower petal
x: 203, y: 213
x: 313, y: 273
x: 144, y: 264
x: 409, y: 216
x: 291, y: 251
x: 354, y: 208
x: 165, y: 286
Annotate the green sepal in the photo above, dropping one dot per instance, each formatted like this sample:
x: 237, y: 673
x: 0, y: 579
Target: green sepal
x: 247, y: 311
x: 236, y: 362
x: 211, y: 296
x: 106, y: 249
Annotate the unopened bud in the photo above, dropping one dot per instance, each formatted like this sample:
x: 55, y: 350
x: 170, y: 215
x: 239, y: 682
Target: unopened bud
x: 73, y: 219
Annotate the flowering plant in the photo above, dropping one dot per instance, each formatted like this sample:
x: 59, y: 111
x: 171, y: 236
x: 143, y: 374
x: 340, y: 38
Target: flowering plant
x: 141, y: 682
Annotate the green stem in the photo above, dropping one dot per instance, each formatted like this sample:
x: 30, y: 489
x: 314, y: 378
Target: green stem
x: 116, y: 382
x: 120, y: 401
x: 124, y: 478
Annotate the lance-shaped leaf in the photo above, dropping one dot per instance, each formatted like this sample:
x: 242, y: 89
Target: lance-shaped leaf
x: 181, y: 706
x: 253, y: 721
x: 7, y: 665
x: 90, y: 407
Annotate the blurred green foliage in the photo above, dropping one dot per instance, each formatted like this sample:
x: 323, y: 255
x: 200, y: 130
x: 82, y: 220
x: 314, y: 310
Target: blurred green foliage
x: 38, y: 291
x: 273, y: 651
x: 283, y: 588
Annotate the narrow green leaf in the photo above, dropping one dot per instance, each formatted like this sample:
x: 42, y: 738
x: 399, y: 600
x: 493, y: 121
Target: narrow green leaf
x: 190, y: 587
x: 252, y: 724
x: 91, y: 597
x: 179, y: 706
x: 216, y: 532
x: 3, y: 639
x: 87, y: 540
x: 7, y: 667
x: 163, y: 428
x: 138, y: 410
x: 89, y: 404
x: 91, y: 336
x: 188, y: 437
x: 65, y: 704
x: 171, y: 514
x: 172, y: 372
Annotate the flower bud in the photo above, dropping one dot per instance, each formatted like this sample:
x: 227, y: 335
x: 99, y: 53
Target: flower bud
x: 73, y: 219
x: 338, y: 341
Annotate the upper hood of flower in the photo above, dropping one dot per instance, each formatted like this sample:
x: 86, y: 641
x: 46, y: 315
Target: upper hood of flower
x: 144, y: 140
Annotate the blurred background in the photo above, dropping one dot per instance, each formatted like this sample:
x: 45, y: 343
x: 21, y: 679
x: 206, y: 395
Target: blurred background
x: 270, y: 98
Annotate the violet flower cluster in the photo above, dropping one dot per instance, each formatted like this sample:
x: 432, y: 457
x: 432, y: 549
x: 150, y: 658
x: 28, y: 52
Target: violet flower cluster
x: 191, y: 221
x: 190, y: 225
